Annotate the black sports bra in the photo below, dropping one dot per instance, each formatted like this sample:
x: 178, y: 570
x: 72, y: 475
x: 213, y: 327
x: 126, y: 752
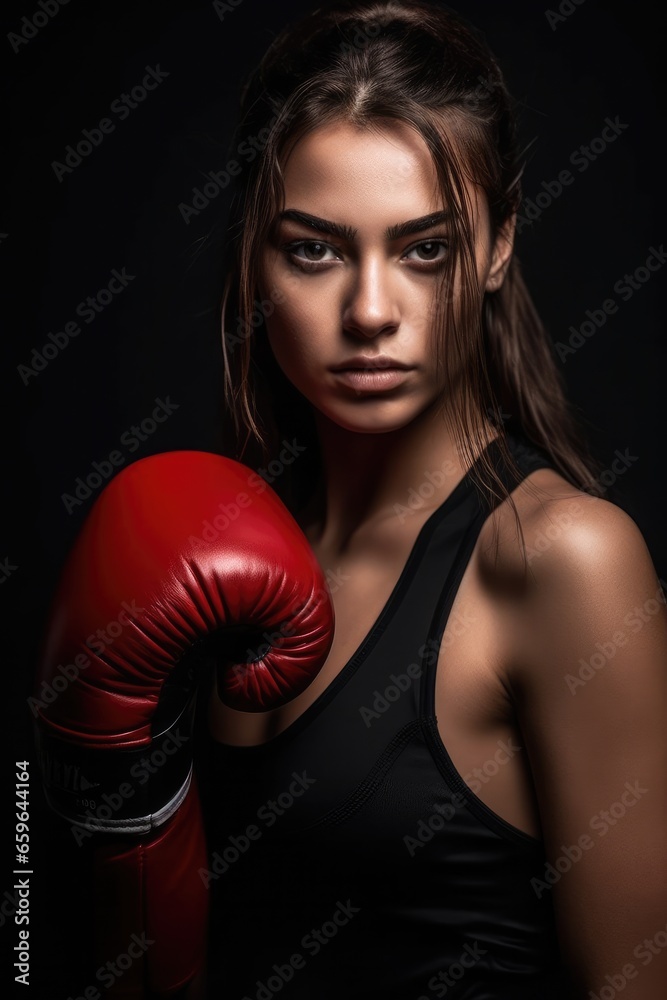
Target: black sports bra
x: 348, y: 857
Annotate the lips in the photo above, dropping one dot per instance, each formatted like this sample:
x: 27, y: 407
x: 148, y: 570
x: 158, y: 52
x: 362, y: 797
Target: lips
x: 362, y: 363
x: 371, y: 379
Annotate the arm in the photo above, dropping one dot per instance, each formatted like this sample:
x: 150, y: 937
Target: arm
x: 590, y: 685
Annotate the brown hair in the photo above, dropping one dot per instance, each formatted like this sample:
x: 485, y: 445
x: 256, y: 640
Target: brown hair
x: 424, y: 66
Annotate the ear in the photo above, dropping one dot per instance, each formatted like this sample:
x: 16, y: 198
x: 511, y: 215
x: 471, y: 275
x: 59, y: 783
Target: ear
x: 502, y: 255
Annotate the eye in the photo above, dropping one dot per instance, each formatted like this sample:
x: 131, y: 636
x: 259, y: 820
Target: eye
x: 310, y: 252
x: 430, y: 251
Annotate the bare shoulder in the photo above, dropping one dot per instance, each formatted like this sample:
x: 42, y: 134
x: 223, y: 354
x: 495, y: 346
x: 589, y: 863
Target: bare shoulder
x: 588, y: 582
x: 569, y: 535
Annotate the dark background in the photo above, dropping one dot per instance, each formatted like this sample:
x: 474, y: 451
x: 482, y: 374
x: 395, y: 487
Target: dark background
x: 119, y: 208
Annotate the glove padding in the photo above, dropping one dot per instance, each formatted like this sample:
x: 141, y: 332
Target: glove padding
x: 186, y: 559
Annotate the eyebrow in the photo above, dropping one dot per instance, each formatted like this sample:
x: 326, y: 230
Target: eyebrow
x: 348, y: 233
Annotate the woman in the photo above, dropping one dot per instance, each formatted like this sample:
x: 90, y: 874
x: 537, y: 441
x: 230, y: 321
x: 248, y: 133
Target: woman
x: 468, y: 799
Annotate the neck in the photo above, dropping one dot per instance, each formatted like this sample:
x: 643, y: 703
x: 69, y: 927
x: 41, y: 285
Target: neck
x: 369, y: 478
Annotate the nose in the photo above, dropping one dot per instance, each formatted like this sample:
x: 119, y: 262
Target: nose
x: 371, y: 306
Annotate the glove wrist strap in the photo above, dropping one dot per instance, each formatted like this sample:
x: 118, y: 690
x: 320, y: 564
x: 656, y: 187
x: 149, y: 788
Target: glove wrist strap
x: 118, y: 791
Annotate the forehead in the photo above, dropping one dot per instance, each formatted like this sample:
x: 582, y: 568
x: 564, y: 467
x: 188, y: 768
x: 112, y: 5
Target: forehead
x: 386, y: 168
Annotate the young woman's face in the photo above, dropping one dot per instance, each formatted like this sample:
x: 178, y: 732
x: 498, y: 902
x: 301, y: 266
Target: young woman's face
x: 353, y: 265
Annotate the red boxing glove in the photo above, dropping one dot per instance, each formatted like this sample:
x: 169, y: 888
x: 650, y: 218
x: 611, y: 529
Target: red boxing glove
x: 180, y: 565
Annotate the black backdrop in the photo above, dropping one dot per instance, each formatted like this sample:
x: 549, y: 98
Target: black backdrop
x: 66, y: 231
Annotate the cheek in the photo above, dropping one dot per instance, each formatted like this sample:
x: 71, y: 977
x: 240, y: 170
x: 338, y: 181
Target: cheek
x: 302, y: 317
x: 296, y: 332
x: 282, y: 282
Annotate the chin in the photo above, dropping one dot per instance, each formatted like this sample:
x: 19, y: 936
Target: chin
x: 371, y: 416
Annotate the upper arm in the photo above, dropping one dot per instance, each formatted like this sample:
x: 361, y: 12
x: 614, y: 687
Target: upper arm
x: 590, y: 687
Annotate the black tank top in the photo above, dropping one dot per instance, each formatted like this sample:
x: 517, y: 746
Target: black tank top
x: 348, y: 857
